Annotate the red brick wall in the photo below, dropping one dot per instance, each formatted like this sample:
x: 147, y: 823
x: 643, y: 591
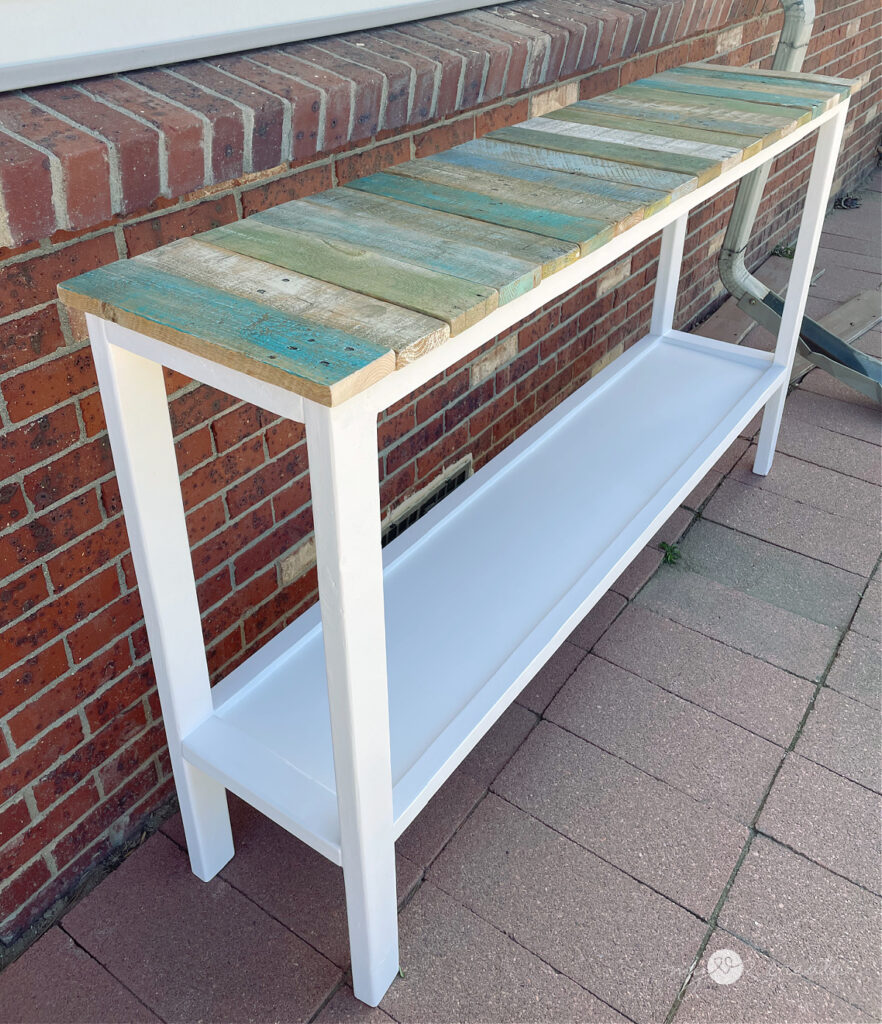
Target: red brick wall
x: 95, y: 173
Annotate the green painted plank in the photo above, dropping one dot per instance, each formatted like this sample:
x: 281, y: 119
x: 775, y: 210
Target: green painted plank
x: 509, y: 275
x: 680, y: 113
x: 441, y: 229
x: 830, y: 87
x: 776, y: 93
x: 777, y: 116
x: 474, y: 158
x: 240, y: 328
x: 515, y: 190
x: 585, y: 115
x: 457, y: 302
x: 720, y: 92
x: 654, y: 160
x: 588, y: 234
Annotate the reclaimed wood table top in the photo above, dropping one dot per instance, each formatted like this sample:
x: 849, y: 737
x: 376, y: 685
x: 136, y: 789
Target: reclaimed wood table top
x: 325, y: 295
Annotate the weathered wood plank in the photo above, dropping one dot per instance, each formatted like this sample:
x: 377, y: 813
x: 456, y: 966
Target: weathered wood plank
x: 587, y: 233
x: 542, y: 194
x: 459, y: 303
x: 629, y: 197
x: 718, y: 94
x: 787, y: 118
x: 324, y: 305
x: 509, y: 275
x: 441, y: 228
x: 324, y: 365
x: 747, y: 144
x: 843, y: 86
x: 783, y: 94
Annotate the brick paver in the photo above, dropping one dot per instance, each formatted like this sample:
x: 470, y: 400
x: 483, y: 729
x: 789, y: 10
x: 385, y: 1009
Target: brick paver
x: 857, y: 670
x: 845, y: 736
x: 868, y: 619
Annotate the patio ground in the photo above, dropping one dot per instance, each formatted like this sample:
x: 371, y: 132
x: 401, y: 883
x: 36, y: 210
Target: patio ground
x: 696, y: 770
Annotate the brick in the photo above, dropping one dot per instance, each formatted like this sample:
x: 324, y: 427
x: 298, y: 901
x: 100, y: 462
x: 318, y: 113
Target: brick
x: 543, y: 687
x: 31, y: 676
x: 13, y: 820
x: 450, y: 66
x: 28, y: 212
x: 498, y: 56
x: 472, y: 59
x: 360, y: 165
x: 82, y: 160
x: 194, y: 449
x: 44, y: 534
x: 501, y: 851
x: 820, y: 926
x: 436, y: 140
x: 135, y: 144
x: 119, y: 769
x: 30, y: 338
x: 98, y: 548
x: 844, y: 736
x: 291, y: 499
x: 227, y: 132
x: 396, y: 74
x: 150, y: 234
x: 267, y: 480
x: 33, y: 281
x: 212, y: 552
x: 12, y: 505
x: 21, y: 888
x: 422, y: 71
x: 415, y: 444
x: 31, y: 392
x: 598, y: 83
x: 868, y: 618
x: 70, y: 473
x: 181, y: 130
x: 47, y: 828
x: 39, y: 757
x: 855, y: 672
x: 267, y: 549
x: 255, y: 591
x: 197, y: 406
x: 116, y: 619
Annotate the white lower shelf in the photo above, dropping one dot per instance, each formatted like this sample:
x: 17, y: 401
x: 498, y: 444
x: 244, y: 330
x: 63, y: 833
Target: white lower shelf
x: 484, y: 589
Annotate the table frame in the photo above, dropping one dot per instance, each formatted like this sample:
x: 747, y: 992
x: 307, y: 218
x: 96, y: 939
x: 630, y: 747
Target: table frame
x: 342, y: 447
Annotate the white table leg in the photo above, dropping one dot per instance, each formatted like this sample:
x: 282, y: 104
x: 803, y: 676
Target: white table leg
x: 813, y: 213
x: 670, y: 259
x: 136, y: 410
x: 342, y: 445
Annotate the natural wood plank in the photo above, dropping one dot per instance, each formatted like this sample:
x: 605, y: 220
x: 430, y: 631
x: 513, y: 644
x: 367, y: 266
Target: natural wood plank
x: 440, y: 229
x: 840, y: 85
x: 589, y: 234
x: 542, y: 193
x: 509, y: 275
x: 747, y: 144
x: 782, y: 94
x: 324, y: 305
x: 322, y: 364
x: 457, y: 302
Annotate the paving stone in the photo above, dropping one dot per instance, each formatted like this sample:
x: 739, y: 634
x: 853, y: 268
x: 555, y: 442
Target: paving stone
x: 622, y: 941
x: 811, y: 443
x: 596, y: 622
x: 682, y: 849
x: 846, y: 543
x: 833, y: 414
x: 851, y: 226
x: 193, y: 950
x: 495, y: 750
x: 736, y: 686
x: 731, y: 455
x: 728, y: 323
x: 540, y: 691
x: 458, y: 968
x: 868, y: 619
x: 844, y: 736
x: 344, y: 1008
x: 857, y: 670
x: 838, y: 281
x: 828, y: 818
x: 814, y: 485
x: 424, y: 838
x: 783, y: 578
x: 55, y: 980
x: 638, y: 572
x: 835, y: 258
x: 673, y: 529
x: 702, y: 491
x: 868, y: 247
x: 814, y: 922
x: 294, y: 884
x: 712, y: 760
x: 766, y: 993
x: 746, y: 623
x: 821, y: 383
x: 871, y: 343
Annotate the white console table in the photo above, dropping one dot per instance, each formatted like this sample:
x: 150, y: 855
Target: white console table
x: 345, y: 724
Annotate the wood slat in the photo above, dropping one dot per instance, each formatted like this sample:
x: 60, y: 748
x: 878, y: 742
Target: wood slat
x: 325, y: 365
x: 786, y: 118
x: 324, y: 306
x: 841, y: 86
x: 441, y: 228
x: 729, y: 99
x: 457, y: 302
x: 542, y: 193
x: 588, y: 234
x: 782, y: 94
x: 510, y: 275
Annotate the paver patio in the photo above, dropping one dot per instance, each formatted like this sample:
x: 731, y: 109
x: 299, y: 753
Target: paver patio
x: 697, y: 769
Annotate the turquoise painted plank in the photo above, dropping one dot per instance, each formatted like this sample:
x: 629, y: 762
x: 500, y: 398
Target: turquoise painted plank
x: 735, y: 93
x: 582, y: 230
x: 292, y: 344
x: 581, y: 183
x: 611, y: 104
x: 794, y: 83
x: 511, y: 276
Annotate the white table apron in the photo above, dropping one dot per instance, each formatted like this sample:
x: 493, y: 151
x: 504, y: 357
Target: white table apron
x: 342, y: 448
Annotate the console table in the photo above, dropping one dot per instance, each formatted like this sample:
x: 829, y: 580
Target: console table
x: 330, y: 309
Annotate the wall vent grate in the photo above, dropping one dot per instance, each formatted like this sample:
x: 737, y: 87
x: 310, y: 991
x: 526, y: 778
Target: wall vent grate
x: 427, y: 499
